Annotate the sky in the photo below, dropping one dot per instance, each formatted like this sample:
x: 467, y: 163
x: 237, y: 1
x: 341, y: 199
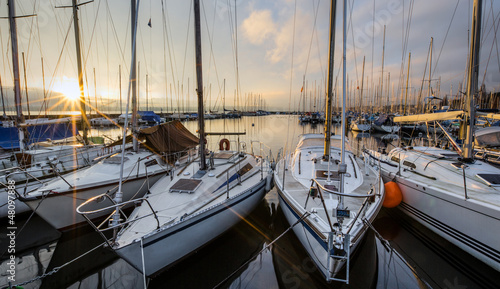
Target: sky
x: 256, y: 54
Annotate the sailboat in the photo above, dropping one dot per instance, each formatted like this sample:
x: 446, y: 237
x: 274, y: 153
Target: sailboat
x: 447, y: 191
x: 194, y: 204
x: 141, y: 166
x: 329, y: 195
x: 385, y: 124
x: 55, y: 201
x: 39, y: 149
x: 360, y: 125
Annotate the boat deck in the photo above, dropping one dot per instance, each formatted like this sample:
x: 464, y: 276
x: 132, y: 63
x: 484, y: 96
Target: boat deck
x: 173, y: 205
x: 441, y: 169
x: 297, y: 189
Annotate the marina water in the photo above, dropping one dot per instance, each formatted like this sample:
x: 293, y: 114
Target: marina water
x: 243, y: 257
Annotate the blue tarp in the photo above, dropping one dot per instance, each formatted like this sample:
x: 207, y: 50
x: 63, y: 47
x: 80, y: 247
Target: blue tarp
x: 149, y: 116
x: 9, y: 137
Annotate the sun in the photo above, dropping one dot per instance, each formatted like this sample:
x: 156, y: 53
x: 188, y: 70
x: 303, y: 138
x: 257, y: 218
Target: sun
x: 69, y: 88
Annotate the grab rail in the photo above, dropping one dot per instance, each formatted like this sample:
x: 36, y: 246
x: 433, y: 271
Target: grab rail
x: 113, y: 207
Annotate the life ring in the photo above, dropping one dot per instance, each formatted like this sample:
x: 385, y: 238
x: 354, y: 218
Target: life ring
x: 224, y: 144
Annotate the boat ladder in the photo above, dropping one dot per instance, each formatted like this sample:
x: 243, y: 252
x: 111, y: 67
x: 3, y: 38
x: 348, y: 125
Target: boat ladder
x: 339, y: 252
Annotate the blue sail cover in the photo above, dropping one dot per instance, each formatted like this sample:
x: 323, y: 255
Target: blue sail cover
x: 149, y: 116
x: 9, y: 137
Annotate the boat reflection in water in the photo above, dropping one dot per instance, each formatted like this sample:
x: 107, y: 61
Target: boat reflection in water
x: 283, y: 265
x: 235, y: 259
x: 435, y: 260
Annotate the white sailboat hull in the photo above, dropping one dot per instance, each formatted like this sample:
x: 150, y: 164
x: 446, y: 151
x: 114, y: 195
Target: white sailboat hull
x: 64, y: 158
x: 315, y: 245
x: 469, y: 224
x: 59, y: 209
x: 360, y: 127
x: 431, y: 181
x: 314, y: 216
x: 178, y: 240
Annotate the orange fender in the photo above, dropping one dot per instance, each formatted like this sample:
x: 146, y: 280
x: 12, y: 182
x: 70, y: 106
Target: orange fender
x: 393, y: 195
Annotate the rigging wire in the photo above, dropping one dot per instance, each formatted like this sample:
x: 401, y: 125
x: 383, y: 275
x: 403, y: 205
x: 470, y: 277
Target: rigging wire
x: 212, y: 55
x: 173, y: 60
x: 238, y: 84
x: 234, y: 47
x: 404, y: 45
x: 445, y: 37
x: 315, y: 10
x: 186, y: 46
x: 44, y: 94
x: 373, y: 60
x: 423, y: 78
x: 492, y: 45
x: 164, y: 56
x: 350, y: 27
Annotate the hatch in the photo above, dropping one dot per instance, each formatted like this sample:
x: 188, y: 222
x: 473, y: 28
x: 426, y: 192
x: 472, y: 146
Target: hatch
x: 224, y: 155
x: 490, y: 179
x: 322, y: 174
x: 115, y: 160
x: 185, y: 186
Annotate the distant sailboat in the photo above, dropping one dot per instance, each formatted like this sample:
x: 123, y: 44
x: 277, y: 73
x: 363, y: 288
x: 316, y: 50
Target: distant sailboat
x: 385, y: 124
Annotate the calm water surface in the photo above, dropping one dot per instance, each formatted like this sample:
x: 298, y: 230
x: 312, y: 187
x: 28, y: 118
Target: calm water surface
x: 242, y: 258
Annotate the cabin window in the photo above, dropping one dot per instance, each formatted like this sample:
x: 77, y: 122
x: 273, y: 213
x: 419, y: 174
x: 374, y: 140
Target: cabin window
x: 245, y: 169
x: 151, y: 163
x: 395, y: 159
x: 409, y: 164
x: 116, y: 160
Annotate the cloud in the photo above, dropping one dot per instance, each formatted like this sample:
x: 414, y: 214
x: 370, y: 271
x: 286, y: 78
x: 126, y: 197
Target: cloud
x: 259, y: 26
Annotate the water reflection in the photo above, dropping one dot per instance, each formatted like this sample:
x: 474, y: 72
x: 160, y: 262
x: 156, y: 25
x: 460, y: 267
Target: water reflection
x: 217, y: 261
x: 435, y: 260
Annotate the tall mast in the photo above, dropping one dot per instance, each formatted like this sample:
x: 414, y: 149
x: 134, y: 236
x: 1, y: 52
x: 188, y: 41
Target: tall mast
x: 407, y: 79
x: 344, y: 84
x: 26, y: 86
x: 15, y: 69
x: 362, y: 82
x: 133, y: 78
x: 199, y: 79
x: 3, y: 100
x: 120, y: 86
x: 328, y: 121
x: 342, y: 165
x: 44, y: 91
x: 430, y: 68
x: 382, y: 77
x: 84, y: 120
x: 95, y: 94
x: 119, y: 194
x: 472, y: 81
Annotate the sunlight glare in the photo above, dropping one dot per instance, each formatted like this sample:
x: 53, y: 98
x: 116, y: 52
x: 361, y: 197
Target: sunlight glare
x: 69, y: 88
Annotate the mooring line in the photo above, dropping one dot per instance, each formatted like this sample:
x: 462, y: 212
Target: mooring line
x: 56, y: 268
